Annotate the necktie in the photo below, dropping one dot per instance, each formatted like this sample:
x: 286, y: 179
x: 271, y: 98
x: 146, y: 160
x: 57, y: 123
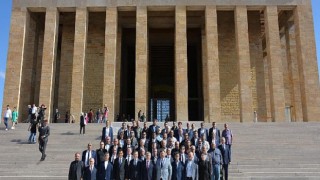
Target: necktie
x: 88, y: 158
x: 120, y: 162
x: 148, y: 164
x: 135, y: 162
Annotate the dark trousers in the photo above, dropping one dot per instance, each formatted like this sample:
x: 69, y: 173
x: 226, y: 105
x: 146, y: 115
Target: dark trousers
x: 43, y: 147
x: 225, y: 171
x: 33, y: 117
x: 83, y: 129
x: 6, y: 122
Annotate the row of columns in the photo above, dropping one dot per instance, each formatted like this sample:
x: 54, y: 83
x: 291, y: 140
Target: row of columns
x: 305, y: 48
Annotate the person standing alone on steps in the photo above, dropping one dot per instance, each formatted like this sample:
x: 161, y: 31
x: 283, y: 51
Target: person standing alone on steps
x: 44, y: 133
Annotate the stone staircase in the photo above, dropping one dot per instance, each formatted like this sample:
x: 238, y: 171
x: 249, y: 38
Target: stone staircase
x: 260, y: 151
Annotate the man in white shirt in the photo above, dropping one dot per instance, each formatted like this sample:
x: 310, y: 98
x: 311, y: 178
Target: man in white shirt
x: 7, y: 116
x: 87, y: 154
x: 34, y: 112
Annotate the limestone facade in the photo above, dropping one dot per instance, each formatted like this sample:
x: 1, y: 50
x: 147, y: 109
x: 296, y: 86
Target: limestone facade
x: 257, y: 58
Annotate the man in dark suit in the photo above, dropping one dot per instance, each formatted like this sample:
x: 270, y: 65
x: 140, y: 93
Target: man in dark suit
x: 154, y: 155
x: 185, y: 139
x: 76, y: 168
x: 44, y: 133
x: 178, y: 169
x: 100, y: 153
x: 107, y: 144
x: 189, y: 131
x: 90, y: 172
x: 153, y: 128
x: 179, y: 135
x: 105, y: 171
x: 119, y: 170
x: 204, y: 167
x: 127, y: 132
x: 107, y: 132
x: 183, y: 155
x: 203, y: 131
x: 114, y: 146
x: 226, y: 156
x: 148, y: 167
x: 145, y: 129
x: 135, y: 167
x: 87, y: 154
x: 176, y: 131
x: 195, y: 139
x: 216, y: 131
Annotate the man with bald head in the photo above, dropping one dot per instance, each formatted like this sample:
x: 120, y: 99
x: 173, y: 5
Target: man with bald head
x: 76, y: 168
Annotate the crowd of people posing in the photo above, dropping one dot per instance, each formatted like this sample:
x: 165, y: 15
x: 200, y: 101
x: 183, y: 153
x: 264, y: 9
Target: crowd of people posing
x: 155, y: 153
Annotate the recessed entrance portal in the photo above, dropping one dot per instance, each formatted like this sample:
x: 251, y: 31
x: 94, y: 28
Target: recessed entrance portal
x: 161, y: 74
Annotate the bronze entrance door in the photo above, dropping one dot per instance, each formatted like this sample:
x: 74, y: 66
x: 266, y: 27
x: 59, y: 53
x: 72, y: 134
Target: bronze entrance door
x: 160, y: 109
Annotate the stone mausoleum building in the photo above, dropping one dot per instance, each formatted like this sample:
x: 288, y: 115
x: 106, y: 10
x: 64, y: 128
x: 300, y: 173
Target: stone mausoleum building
x: 207, y: 60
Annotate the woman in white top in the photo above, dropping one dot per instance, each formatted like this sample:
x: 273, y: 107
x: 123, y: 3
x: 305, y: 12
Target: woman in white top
x: 7, y: 116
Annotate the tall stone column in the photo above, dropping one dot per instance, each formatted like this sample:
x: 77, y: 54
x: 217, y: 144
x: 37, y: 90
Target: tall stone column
x: 141, y: 86
x: 18, y: 37
x: 243, y: 51
x: 110, y: 60
x: 79, y: 56
x: 276, y: 85
x: 293, y: 70
x: 211, y: 70
x: 118, y: 74
x: 49, y: 60
x: 307, y: 61
x: 181, y: 65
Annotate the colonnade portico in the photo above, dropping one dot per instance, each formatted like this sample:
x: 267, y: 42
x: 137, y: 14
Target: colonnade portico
x: 256, y: 54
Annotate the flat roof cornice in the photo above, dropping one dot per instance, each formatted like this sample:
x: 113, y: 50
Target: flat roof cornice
x: 116, y: 3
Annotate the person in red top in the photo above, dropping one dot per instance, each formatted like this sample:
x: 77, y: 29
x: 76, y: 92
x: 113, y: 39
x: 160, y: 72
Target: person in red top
x: 90, y: 116
x: 105, y: 113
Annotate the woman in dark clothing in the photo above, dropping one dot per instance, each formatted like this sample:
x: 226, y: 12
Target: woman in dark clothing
x: 204, y: 168
x: 67, y: 117
x: 82, y: 124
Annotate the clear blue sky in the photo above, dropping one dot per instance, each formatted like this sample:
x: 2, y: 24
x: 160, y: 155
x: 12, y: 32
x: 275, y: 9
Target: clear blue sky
x: 5, y: 9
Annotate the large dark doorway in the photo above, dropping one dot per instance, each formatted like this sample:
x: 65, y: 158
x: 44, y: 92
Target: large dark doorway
x: 161, y: 74
x: 195, y: 91
x: 128, y: 70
